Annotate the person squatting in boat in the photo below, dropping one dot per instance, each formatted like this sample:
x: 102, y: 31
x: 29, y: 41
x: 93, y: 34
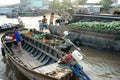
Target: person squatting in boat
x: 30, y: 33
x: 71, y: 60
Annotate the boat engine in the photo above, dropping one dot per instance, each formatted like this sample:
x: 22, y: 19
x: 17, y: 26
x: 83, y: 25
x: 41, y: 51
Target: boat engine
x: 77, y: 55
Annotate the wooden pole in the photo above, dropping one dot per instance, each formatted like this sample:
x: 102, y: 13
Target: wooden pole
x: 77, y: 4
x: 53, y: 6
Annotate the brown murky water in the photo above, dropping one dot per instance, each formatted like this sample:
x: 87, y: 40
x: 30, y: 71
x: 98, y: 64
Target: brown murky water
x: 101, y: 65
x: 98, y: 65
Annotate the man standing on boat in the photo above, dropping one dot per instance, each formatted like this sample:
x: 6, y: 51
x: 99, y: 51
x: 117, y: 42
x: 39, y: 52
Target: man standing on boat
x: 18, y: 39
x: 44, y: 21
x: 51, y: 19
x: 20, y: 21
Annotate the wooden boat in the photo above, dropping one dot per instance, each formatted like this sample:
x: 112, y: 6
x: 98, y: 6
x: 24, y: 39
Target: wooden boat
x: 51, y: 39
x: 55, y: 41
x: 8, y: 26
x: 38, y: 60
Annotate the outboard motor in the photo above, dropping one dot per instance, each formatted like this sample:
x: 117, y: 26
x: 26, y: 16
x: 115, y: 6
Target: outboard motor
x: 71, y: 61
x: 77, y: 55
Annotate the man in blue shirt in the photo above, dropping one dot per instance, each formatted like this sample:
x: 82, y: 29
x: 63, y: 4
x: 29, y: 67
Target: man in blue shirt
x: 18, y: 38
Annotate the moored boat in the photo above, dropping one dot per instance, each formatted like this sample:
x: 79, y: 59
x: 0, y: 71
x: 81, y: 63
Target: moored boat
x: 37, y: 60
x: 61, y: 43
x: 103, y: 40
x: 8, y: 26
x: 44, y: 37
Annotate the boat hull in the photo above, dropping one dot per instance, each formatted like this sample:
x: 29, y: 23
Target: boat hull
x: 32, y: 68
x: 26, y: 72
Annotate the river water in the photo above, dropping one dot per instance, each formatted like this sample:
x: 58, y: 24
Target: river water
x: 98, y: 65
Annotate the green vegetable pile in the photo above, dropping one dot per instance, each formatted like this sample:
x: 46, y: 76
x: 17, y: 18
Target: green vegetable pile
x: 98, y: 26
x: 39, y: 37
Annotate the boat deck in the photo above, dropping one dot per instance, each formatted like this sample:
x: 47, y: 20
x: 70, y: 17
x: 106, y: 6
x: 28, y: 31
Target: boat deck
x: 54, y: 70
x: 27, y: 59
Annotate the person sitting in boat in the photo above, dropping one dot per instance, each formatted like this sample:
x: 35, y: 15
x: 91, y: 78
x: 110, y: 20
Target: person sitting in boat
x: 30, y: 33
x: 47, y: 38
x: 18, y: 39
x: 71, y: 58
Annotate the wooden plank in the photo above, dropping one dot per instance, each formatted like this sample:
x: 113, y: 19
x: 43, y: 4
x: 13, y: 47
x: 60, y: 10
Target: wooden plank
x: 55, y: 58
x: 54, y: 70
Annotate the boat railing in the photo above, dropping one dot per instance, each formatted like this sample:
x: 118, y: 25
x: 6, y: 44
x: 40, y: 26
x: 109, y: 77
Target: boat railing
x: 56, y: 59
x: 9, y: 51
x: 41, y: 45
x: 6, y: 47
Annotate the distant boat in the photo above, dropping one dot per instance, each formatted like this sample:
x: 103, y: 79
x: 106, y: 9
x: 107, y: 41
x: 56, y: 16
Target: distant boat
x: 8, y: 26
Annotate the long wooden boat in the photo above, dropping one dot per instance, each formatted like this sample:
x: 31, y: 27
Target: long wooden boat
x: 39, y: 36
x: 60, y: 43
x: 8, y: 27
x: 100, y: 40
x: 38, y: 61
